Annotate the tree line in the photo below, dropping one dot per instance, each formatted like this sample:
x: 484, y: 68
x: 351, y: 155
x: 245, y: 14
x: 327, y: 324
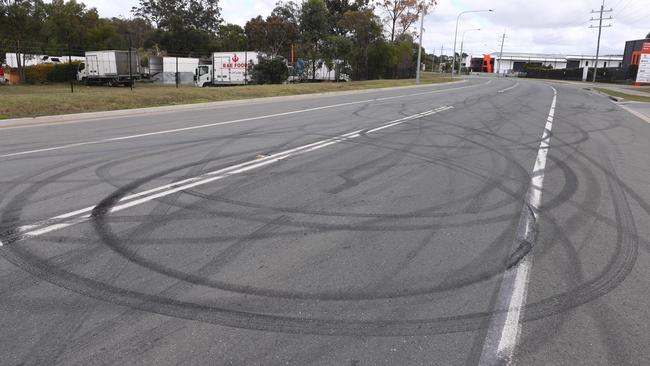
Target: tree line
x: 375, y: 39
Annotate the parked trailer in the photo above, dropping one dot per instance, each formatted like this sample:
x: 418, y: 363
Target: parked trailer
x: 109, y: 67
x: 166, y: 70
x: 228, y: 68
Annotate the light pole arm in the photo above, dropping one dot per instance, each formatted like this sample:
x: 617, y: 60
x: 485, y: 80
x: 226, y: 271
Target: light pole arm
x: 453, y: 57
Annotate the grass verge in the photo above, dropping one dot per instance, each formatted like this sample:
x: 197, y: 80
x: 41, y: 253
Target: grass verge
x: 637, y: 98
x: 41, y: 100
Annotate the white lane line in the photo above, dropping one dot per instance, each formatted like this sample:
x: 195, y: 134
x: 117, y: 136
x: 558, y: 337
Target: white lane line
x: 504, y: 328
x: 129, y: 137
x: 84, y: 214
x: 510, y: 88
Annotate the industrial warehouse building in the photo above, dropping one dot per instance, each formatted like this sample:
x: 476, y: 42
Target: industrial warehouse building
x: 515, y: 61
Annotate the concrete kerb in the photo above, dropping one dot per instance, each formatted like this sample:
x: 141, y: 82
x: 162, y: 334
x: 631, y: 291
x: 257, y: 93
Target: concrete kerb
x: 98, y: 116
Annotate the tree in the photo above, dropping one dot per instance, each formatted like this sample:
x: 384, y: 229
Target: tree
x: 337, y: 51
x: 314, y: 26
x: 171, y: 15
x: 337, y: 8
x: 270, y: 71
x: 231, y: 37
x: 363, y: 27
x: 289, y: 10
x: 280, y: 34
x: 412, y: 15
x: 67, y: 22
x: 401, y: 14
x: 647, y: 36
x: 21, y: 22
x: 255, y: 30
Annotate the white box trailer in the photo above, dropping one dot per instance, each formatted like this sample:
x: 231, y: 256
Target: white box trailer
x: 228, y: 68
x: 109, y: 67
x: 164, y: 69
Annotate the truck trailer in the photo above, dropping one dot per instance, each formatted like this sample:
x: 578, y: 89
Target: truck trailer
x: 109, y: 67
x: 228, y: 68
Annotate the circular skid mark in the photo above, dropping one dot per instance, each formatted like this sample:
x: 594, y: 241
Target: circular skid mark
x: 611, y: 276
x: 380, y: 222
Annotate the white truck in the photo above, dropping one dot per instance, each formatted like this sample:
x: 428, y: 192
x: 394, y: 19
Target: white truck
x: 228, y: 68
x: 109, y: 67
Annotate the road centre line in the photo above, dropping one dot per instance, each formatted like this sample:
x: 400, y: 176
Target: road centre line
x: 504, y: 327
x: 129, y: 137
x: 510, y: 88
x: 82, y: 215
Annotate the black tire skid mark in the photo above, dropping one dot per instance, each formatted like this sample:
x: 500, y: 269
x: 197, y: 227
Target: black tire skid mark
x: 141, y: 262
x: 147, y: 263
x: 55, y: 336
x: 424, y: 158
x: 12, y: 211
x: 129, y: 316
x: 465, y: 319
x: 575, y: 275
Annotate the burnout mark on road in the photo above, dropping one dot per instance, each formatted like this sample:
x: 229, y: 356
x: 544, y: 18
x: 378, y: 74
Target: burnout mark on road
x: 504, y: 328
x: 84, y: 214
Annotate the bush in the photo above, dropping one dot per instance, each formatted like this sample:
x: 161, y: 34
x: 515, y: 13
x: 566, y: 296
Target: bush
x: 51, y: 73
x: 270, y: 71
x: 38, y: 74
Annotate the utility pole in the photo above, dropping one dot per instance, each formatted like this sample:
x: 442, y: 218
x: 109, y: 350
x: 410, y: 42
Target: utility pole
x: 130, y: 62
x: 600, y: 27
x: 417, y: 71
x: 71, y: 69
x: 503, y: 40
x: 442, y: 47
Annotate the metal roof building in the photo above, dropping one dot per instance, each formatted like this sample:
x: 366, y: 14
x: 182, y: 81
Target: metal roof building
x: 515, y: 61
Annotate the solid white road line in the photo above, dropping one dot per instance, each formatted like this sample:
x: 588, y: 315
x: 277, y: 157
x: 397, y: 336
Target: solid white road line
x: 510, y: 88
x: 175, y: 130
x: 82, y: 215
x: 504, y: 328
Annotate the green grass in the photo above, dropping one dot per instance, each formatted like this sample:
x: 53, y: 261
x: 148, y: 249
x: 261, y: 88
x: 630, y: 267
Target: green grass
x: 637, y: 98
x: 641, y: 89
x: 41, y: 100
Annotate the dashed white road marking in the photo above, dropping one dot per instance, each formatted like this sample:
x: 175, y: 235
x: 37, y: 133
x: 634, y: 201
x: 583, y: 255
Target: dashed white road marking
x: 510, y: 88
x: 175, y: 130
x: 504, y: 328
x: 84, y: 214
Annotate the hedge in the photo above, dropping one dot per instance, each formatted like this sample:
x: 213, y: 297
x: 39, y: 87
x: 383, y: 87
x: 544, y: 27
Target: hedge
x: 609, y: 74
x: 51, y: 73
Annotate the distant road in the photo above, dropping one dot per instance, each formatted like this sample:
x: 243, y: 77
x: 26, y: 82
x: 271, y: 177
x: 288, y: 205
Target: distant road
x: 489, y: 222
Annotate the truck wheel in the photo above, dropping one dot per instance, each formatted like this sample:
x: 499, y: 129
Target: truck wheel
x: 205, y: 85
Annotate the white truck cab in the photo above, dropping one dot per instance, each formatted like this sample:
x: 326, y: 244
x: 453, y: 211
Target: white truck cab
x: 204, y: 75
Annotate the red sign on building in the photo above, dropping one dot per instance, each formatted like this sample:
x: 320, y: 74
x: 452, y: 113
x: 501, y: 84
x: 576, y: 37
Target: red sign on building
x: 643, y: 75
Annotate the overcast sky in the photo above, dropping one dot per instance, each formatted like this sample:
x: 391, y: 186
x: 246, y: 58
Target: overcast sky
x: 548, y: 26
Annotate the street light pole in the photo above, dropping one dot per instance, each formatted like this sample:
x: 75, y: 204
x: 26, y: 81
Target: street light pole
x: 417, y: 71
x: 462, y: 40
x: 453, y: 56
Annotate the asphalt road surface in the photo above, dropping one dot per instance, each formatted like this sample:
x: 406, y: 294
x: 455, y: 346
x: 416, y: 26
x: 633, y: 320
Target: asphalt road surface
x: 487, y: 222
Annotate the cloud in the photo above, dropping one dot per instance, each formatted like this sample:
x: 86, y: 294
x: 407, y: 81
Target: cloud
x: 548, y: 26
